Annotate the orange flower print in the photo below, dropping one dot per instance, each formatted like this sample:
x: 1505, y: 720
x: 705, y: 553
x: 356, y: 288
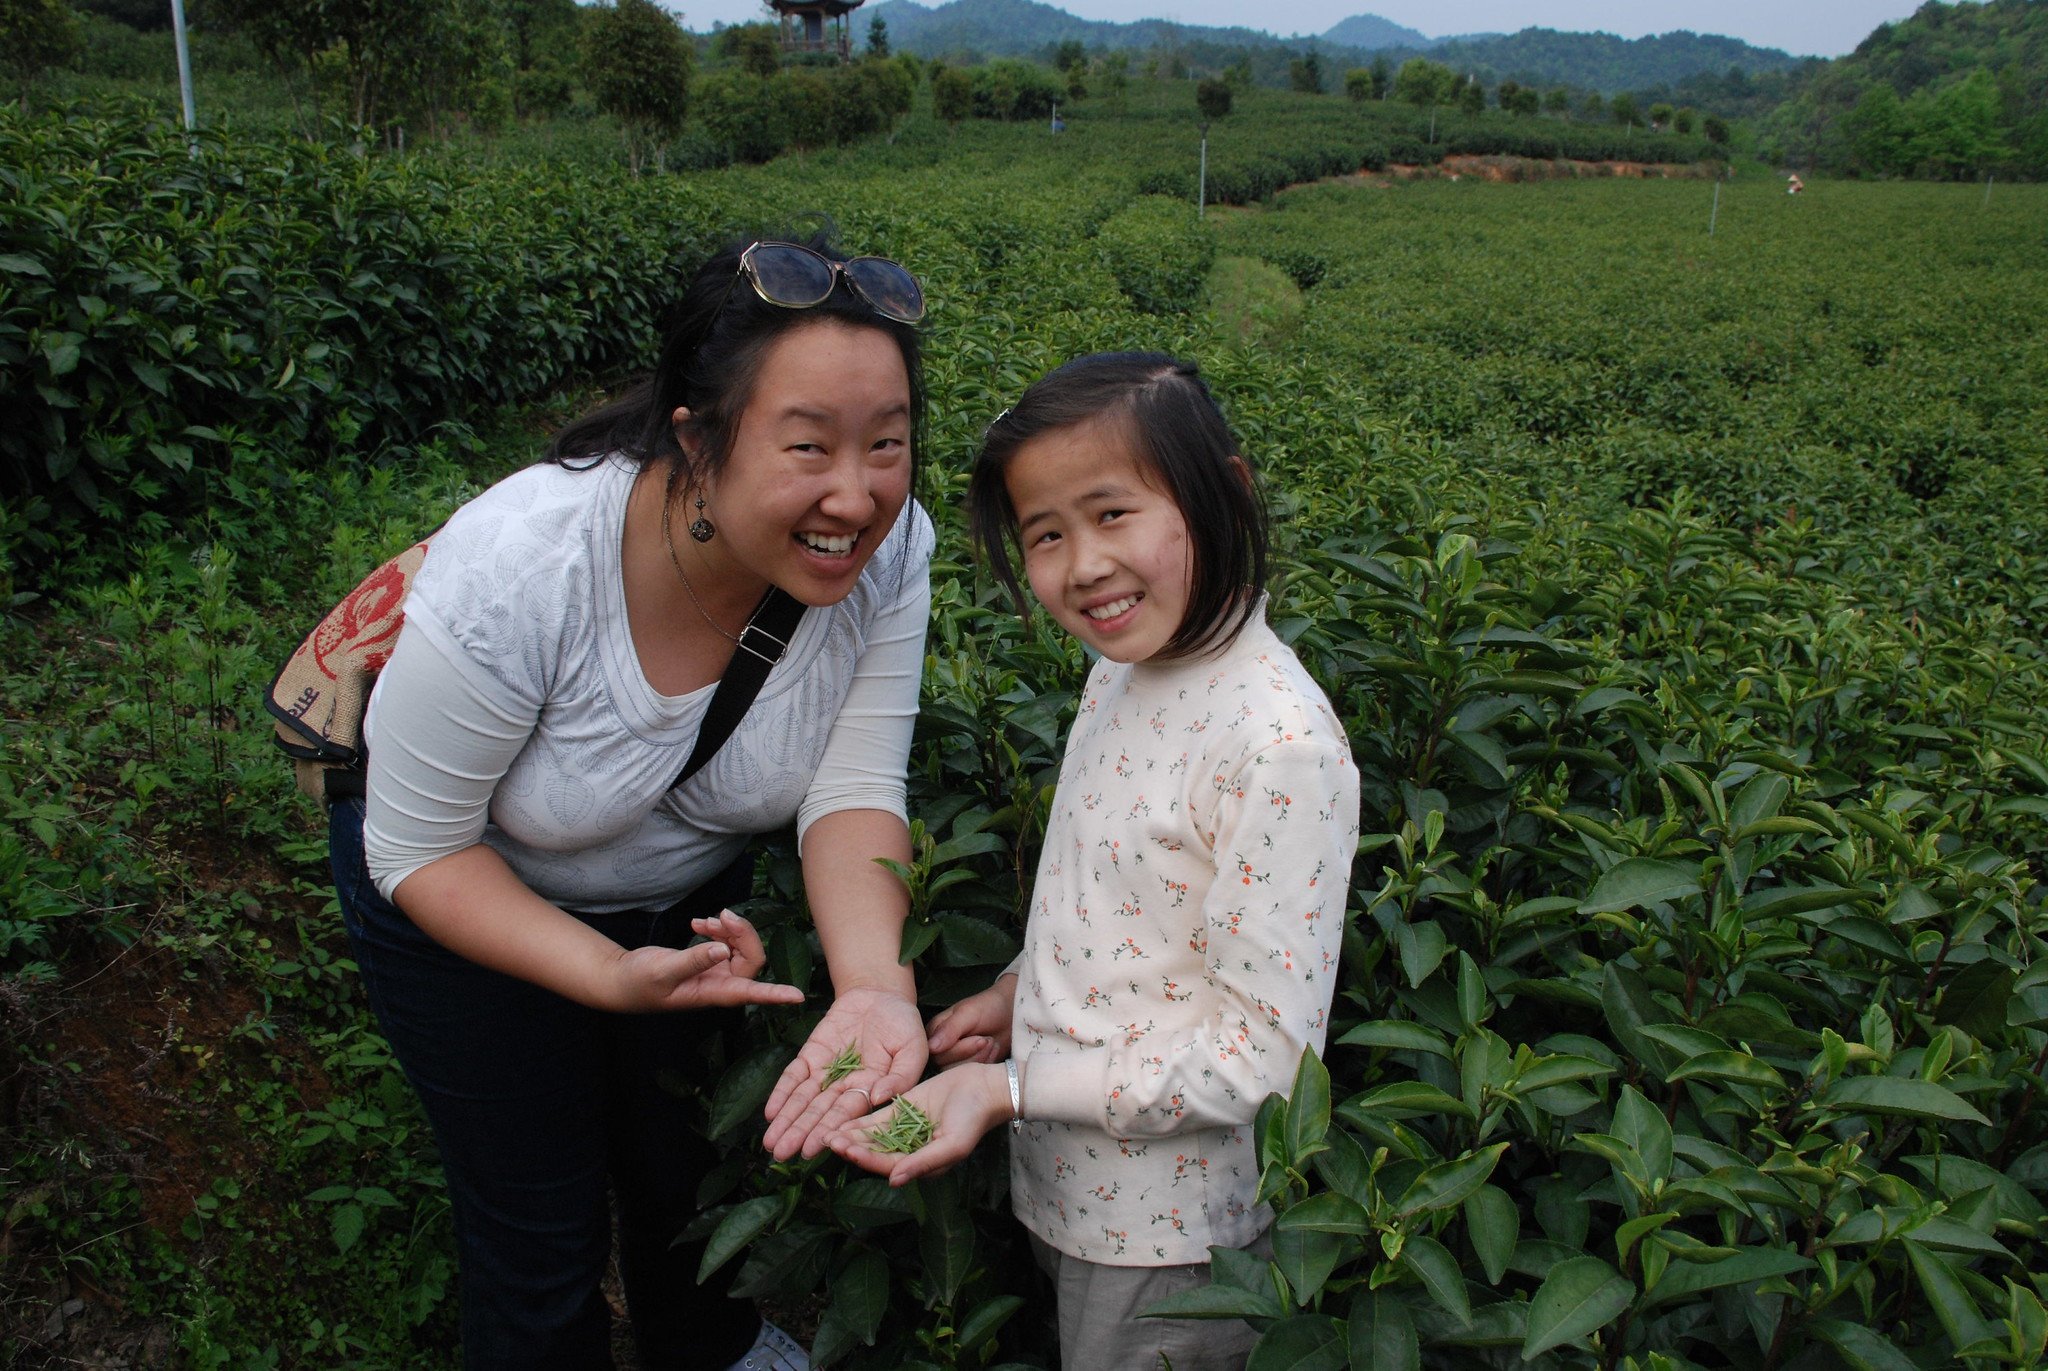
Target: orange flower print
x: 1171, y: 1216
x: 1174, y: 994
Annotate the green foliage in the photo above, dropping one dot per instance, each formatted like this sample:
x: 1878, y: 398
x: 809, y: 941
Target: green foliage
x: 1424, y: 83
x: 1014, y: 90
x: 1305, y: 73
x: 1952, y: 91
x: 754, y: 48
x: 636, y: 62
x: 1213, y: 98
x: 173, y: 321
x: 36, y: 35
x: 952, y: 94
x: 1158, y: 254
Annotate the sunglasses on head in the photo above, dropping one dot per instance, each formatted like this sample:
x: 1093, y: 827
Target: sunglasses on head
x: 795, y: 277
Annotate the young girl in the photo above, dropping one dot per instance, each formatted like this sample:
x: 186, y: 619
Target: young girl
x: 1183, y: 935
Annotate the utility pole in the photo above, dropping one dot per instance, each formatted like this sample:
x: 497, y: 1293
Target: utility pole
x: 184, y: 72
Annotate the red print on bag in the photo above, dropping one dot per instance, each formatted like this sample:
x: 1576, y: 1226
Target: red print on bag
x: 365, y: 624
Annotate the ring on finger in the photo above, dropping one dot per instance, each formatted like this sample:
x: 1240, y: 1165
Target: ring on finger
x: 860, y: 1091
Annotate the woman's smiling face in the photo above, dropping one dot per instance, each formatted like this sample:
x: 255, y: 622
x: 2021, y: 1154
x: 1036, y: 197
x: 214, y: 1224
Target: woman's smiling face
x: 820, y: 462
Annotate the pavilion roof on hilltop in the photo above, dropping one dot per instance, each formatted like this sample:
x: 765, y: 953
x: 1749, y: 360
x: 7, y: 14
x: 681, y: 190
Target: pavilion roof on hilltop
x: 832, y: 9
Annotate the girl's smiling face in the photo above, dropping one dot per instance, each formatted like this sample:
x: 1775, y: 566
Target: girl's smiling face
x: 1105, y: 550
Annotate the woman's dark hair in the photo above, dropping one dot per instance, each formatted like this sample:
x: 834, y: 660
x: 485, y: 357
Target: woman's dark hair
x: 1180, y: 441
x: 713, y: 344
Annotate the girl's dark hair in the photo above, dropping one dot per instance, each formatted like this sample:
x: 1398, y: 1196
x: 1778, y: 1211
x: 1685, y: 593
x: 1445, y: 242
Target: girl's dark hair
x: 713, y: 343
x: 1181, y: 442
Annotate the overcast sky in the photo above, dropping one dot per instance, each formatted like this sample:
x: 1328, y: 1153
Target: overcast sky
x: 1822, y: 28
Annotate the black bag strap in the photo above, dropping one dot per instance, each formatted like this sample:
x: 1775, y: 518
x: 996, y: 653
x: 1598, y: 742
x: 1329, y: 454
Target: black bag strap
x: 761, y: 645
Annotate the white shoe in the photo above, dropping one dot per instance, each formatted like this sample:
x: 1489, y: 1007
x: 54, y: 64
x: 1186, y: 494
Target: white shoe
x: 773, y: 1350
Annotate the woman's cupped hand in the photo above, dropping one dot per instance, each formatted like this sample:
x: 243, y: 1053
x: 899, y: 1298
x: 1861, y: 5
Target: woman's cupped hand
x: 807, y: 1107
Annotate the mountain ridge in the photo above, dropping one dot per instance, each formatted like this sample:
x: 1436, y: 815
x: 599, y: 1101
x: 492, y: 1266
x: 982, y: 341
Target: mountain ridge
x: 1030, y: 28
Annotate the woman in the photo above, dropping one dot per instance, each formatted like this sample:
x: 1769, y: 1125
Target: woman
x: 520, y: 880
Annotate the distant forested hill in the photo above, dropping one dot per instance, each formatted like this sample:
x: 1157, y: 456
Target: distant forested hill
x: 1374, y: 34
x: 1026, y: 28
x: 1603, y: 62
x: 1591, y: 61
x: 1957, y: 90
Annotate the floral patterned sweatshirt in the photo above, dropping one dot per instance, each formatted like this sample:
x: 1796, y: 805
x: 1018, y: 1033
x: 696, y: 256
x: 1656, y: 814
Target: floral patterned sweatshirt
x: 1181, y: 949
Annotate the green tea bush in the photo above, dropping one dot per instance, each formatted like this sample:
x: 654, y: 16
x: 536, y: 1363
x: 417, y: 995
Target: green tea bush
x: 166, y: 310
x: 1159, y: 258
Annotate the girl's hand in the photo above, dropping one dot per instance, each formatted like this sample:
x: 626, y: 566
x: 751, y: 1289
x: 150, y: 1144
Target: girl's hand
x: 717, y: 972
x: 978, y: 1028
x: 804, y: 1110
x: 964, y: 1103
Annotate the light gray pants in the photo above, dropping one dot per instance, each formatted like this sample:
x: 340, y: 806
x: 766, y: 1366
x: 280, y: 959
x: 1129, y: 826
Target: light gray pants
x: 1099, y: 1325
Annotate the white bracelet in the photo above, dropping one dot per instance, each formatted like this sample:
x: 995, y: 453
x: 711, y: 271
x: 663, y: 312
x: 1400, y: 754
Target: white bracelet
x: 1016, y: 1091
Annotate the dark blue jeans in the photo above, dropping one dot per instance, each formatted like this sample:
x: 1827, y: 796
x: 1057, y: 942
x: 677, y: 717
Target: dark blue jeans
x: 542, y: 1108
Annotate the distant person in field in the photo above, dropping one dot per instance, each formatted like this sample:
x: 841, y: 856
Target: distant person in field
x: 1182, y: 942
x: 1793, y: 185
x: 524, y: 881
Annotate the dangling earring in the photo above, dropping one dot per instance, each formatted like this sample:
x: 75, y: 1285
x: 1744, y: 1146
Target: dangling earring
x: 701, y: 528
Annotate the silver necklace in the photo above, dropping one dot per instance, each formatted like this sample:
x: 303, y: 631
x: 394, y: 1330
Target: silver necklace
x: 669, y: 542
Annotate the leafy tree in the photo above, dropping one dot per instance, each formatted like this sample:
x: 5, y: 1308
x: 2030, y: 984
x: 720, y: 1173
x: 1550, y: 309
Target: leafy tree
x: 1879, y: 133
x: 542, y: 32
x: 1955, y: 127
x: 1558, y: 101
x: 1239, y: 75
x: 754, y: 48
x: 1382, y: 77
x: 1072, y: 53
x: 1625, y: 111
x: 1213, y: 99
x: 459, y: 62
x: 803, y: 99
x: 1685, y: 120
x: 1504, y: 94
x: 36, y: 35
x: 738, y: 113
x: 144, y: 16
x: 1716, y: 130
x: 878, y: 37
x: 1527, y: 101
x: 1472, y: 97
x: 1305, y: 73
x: 1595, y: 108
x: 1358, y: 85
x: 1116, y: 77
x: 636, y: 64
x: 952, y: 94
x: 374, y: 47
x: 1423, y: 83
x: 1660, y: 115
